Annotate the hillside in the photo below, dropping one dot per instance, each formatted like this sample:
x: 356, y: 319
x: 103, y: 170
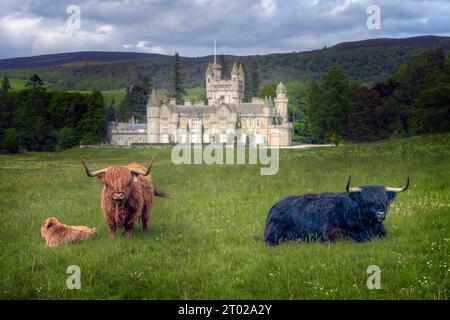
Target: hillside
x: 51, y: 60
x: 366, y: 61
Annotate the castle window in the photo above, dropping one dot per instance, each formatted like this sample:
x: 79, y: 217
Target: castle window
x: 164, y: 123
x: 152, y: 124
x: 141, y: 140
x: 195, y: 123
x: 223, y: 123
x: 130, y: 141
x: 120, y: 141
x: 257, y: 123
x: 206, y: 123
x: 183, y: 123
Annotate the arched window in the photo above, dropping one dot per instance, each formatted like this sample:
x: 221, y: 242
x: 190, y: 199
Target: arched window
x: 120, y: 141
x: 130, y: 141
x: 141, y: 140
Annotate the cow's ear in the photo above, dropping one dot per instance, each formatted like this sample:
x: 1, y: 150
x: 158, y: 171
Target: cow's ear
x: 391, y: 195
x: 101, y: 177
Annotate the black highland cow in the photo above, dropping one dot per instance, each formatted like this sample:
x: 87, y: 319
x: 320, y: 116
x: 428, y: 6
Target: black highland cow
x: 356, y: 214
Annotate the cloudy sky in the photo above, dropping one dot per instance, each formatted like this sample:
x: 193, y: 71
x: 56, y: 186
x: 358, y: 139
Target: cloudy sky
x: 30, y: 27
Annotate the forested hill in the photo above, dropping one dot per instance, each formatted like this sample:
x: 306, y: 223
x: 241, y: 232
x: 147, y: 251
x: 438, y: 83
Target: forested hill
x: 366, y: 61
x: 73, y: 58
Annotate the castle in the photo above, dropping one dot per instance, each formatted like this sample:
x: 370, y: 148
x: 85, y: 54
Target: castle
x: 262, y: 121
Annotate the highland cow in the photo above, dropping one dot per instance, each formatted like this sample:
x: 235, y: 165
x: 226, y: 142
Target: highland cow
x: 56, y: 233
x: 356, y: 214
x: 127, y: 196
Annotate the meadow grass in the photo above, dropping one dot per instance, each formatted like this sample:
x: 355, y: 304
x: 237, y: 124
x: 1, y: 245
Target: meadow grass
x: 20, y: 84
x: 206, y: 240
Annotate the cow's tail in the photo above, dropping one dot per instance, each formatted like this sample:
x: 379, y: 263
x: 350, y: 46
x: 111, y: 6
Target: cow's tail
x: 160, y: 193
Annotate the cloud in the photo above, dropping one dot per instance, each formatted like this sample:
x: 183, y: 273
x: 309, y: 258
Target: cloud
x: 144, y: 46
x: 188, y: 27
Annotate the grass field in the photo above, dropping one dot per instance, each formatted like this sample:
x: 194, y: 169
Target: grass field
x: 205, y: 241
x: 19, y: 84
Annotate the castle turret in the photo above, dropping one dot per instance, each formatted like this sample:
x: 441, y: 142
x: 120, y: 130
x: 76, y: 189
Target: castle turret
x: 281, y: 101
x: 241, y: 72
x: 235, y: 73
x: 153, y: 117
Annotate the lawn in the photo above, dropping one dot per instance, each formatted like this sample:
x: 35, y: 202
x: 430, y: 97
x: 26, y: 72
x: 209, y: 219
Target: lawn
x: 205, y: 241
x: 19, y: 84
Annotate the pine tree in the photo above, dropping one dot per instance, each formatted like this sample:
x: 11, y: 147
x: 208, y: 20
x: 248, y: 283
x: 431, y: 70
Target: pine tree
x: 177, y: 91
x: 253, y: 83
x: 35, y: 83
x: 135, y: 102
x: 5, y: 85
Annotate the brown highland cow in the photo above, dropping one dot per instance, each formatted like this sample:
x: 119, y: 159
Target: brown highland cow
x: 127, y: 196
x: 56, y: 233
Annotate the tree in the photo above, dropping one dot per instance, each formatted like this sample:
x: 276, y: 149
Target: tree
x: 35, y: 83
x: 363, y: 124
x: 5, y: 85
x: 12, y: 140
x: 135, y: 103
x: 66, y: 109
x: 224, y: 64
x: 419, y: 102
x: 32, y: 121
x: 176, y: 90
x: 329, y: 105
x: 93, y: 124
x: 267, y: 91
x: 67, y: 138
x: 7, y: 107
x: 253, y: 83
x: 296, y: 91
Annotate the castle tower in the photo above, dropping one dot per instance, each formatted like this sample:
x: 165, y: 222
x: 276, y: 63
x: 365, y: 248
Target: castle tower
x: 281, y: 102
x: 220, y: 90
x: 235, y: 73
x: 153, y: 117
x: 241, y: 73
x: 217, y: 71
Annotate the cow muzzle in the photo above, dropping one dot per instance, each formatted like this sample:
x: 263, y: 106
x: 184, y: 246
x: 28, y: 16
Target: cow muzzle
x: 118, y: 196
x: 380, y: 215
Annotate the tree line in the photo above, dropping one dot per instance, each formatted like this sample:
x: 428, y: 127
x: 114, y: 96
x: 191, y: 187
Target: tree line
x: 35, y: 119
x: 414, y: 100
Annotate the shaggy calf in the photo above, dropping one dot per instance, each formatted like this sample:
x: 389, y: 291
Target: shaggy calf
x: 127, y: 196
x: 56, y: 233
x: 356, y: 214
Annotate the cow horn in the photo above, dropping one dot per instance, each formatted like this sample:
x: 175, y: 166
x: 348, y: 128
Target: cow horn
x: 144, y: 173
x: 347, y: 187
x: 89, y: 173
x: 397, y: 189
